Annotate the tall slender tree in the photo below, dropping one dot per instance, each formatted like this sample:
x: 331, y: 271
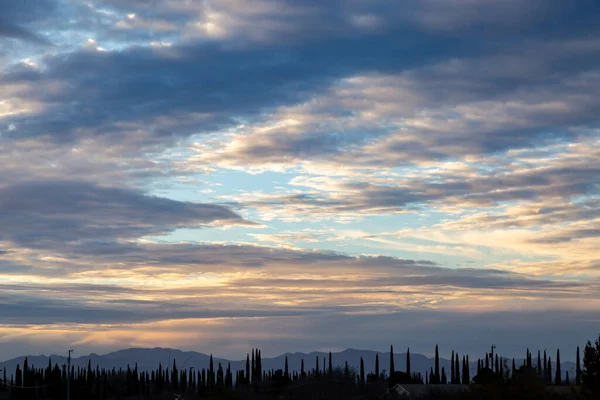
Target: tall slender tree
x: 437, y: 365
x: 317, y: 366
x: 330, y: 367
x: 362, y: 372
x: 539, y: 365
x: 497, y: 364
x: 286, y: 374
x: 346, y: 371
x: 247, y: 377
x: 376, y: 366
x: 408, y: 361
x: 457, y: 375
x: 452, y: 378
x: 392, y: 370
x: 577, y: 369
x: 545, y: 365
x: 549, y: 371
x: 558, y: 377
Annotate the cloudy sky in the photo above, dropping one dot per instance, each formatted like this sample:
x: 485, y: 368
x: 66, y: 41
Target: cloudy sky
x: 299, y: 175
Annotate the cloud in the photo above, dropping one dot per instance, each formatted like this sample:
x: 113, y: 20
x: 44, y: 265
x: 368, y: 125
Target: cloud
x: 16, y: 14
x: 47, y: 213
x: 15, y: 31
x: 470, y: 125
x: 131, y: 283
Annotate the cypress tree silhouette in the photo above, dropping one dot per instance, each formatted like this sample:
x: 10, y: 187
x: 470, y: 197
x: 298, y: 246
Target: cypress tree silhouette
x: 567, y: 379
x: 452, y: 377
x: 457, y: 377
x: 437, y: 365
x: 392, y: 369
x: 253, y: 366
x: 330, y: 372
x: 317, y: 366
x: 514, y: 367
x: 247, y: 377
x: 545, y: 367
x: 346, y: 371
x: 174, y: 378
x: 286, y: 371
x: 497, y: 367
x: 18, y: 376
x: 211, y: 374
x: 259, y: 365
x: 444, y: 379
x: 426, y: 378
x: 362, y: 372
x: 549, y: 371
x: 487, y: 360
x: 302, y: 372
x: 577, y: 369
x: 376, y: 366
x: 558, y: 377
x: 408, y: 361
x: 539, y: 365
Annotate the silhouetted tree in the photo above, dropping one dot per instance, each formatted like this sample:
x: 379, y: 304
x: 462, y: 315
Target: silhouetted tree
x: 286, y: 374
x: 247, y: 368
x: 577, y: 369
x: 376, y: 366
x: 590, y: 376
x: 437, y: 365
x: 408, y: 361
x: 330, y: 372
x: 457, y: 376
x: 549, y: 371
x: 558, y: 376
x: 545, y: 366
x: 362, y: 372
x: 444, y: 380
x: 346, y: 371
x: 539, y: 365
x: 452, y: 379
x: 497, y: 364
x: 392, y: 369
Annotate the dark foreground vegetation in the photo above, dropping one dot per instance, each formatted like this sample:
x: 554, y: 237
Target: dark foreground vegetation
x: 537, y: 378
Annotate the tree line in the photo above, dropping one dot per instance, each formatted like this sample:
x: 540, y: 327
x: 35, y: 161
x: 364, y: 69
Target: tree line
x: 54, y: 381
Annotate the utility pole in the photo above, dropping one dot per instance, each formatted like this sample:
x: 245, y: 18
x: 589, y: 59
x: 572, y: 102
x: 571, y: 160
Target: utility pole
x: 69, y: 375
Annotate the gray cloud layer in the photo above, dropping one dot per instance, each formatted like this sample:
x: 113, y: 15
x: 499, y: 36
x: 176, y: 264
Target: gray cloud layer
x: 43, y: 214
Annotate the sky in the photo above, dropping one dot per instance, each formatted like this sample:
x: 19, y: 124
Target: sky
x: 299, y: 175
